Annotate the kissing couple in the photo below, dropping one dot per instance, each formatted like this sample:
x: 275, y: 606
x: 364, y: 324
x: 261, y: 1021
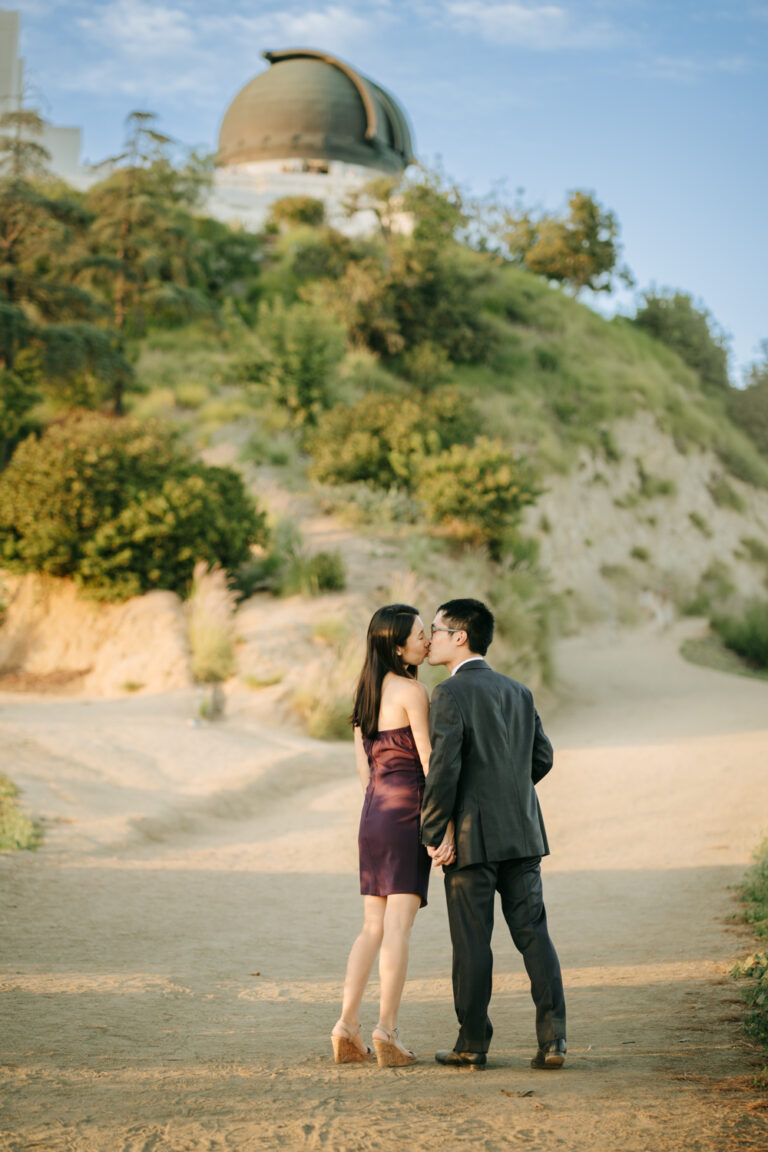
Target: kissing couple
x: 450, y: 784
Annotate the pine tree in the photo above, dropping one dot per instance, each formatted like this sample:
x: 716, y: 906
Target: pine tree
x: 145, y: 256
x: 50, y: 336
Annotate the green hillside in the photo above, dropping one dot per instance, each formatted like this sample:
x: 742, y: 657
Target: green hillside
x: 418, y: 382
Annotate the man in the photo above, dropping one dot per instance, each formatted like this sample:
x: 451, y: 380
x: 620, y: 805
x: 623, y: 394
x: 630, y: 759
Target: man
x: 488, y: 752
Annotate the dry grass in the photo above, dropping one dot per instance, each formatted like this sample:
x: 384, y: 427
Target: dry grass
x: 211, y: 625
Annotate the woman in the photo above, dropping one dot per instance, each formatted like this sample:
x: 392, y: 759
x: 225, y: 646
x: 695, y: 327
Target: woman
x: 391, y: 726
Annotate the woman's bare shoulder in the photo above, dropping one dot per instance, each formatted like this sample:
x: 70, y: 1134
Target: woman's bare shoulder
x: 412, y: 690
x: 403, y: 688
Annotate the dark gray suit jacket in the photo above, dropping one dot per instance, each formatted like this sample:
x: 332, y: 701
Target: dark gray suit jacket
x: 488, y: 751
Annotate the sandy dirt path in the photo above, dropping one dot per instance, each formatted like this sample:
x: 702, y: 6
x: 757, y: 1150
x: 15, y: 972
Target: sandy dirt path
x: 172, y: 958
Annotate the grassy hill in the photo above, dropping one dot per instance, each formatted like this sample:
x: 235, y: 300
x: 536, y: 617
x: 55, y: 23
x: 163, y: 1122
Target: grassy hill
x: 651, y: 500
x: 413, y: 411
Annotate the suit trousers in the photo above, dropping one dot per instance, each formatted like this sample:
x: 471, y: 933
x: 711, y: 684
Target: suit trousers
x: 470, y: 896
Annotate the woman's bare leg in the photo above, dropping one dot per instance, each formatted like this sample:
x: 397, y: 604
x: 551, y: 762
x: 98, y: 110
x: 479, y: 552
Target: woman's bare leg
x: 393, y: 959
x: 361, y: 958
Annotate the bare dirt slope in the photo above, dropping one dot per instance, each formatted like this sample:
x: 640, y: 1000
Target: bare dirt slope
x: 172, y: 958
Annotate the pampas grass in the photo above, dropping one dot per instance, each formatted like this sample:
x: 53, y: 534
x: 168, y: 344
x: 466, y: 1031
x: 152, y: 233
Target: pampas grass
x: 211, y: 628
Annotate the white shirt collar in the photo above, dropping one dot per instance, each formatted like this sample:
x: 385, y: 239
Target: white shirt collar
x: 468, y: 660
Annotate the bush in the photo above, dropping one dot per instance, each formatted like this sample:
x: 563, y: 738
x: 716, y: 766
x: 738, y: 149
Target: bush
x: 715, y: 587
x: 638, y: 552
x: 746, y: 634
x: 16, y: 830
x: 700, y: 522
x: 285, y: 569
x: 293, y: 210
x: 754, y: 895
x: 325, y: 572
x: 756, y: 549
x: 427, y: 366
x: 365, y: 504
x: 748, y: 407
x: 725, y: 495
x: 673, y: 318
x: 122, y: 507
x: 298, y: 352
x: 17, y: 398
x: 475, y: 493
x: 383, y: 440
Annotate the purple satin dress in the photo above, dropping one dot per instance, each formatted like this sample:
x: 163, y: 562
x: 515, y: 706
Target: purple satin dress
x: 392, y: 858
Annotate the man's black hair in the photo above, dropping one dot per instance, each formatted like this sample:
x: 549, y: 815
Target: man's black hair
x: 474, y: 618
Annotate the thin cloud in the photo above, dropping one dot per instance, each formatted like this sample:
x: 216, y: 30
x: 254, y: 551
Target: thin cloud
x: 691, y: 69
x: 183, y: 49
x: 134, y: 28
x: 539, y: 27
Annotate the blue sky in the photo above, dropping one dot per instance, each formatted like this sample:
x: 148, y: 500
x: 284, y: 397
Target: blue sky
x: 658, y: 107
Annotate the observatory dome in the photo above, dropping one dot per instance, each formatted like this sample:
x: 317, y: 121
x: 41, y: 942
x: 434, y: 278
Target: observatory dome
x: 311, y: 106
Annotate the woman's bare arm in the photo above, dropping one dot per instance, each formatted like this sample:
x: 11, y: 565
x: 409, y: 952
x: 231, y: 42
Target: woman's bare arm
x: 416, y: 705
x: 361, y: 760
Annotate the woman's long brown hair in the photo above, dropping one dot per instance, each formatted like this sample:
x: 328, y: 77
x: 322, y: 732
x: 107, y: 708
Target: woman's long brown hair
x: 388, y: 630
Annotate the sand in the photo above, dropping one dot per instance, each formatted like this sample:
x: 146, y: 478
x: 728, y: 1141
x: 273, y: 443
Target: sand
x: 172, y: 957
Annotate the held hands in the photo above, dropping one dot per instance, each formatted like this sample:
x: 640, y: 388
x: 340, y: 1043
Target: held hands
x: 446, y: 852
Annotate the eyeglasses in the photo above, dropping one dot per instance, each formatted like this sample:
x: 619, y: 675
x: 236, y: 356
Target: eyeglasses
x: 434, y: 629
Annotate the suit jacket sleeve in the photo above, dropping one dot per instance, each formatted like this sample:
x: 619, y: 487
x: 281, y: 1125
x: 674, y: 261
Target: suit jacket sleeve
x: 446, y: 731
x: 542, y: 752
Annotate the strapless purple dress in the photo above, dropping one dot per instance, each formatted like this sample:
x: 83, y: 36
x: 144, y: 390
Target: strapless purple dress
x: 392, y: 859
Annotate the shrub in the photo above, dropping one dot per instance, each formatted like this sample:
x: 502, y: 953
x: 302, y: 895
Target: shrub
x: 699, y: 522
x: 756, y: 549
x: 17, y: 398
x: 325, y: 572
x: 122, y: 507
x: 640, y: 553
x: 725, y: 495
x: 746, y: 634
x: 427, y: 366
x: 748, y: 407
x: 673, y: 318
x: 383, y: 440
x: 715, y: 587
x: 298, y: 210
x: 364, y: 504
x: 191, y: 394
x: 475, y: 493
x: 298, y: 352
x: 285, y: 568
x: 754, y: 895
x: 16, y: 830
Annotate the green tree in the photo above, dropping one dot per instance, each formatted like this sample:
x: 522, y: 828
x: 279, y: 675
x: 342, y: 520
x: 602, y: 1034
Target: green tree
x: 384, y: 439
x: 475, y: 492
x: 122, y: 507
x: 748, y: 406
x: 296, y: 210
x: 580, y: 249
x: 17, y: 398
x: 42, y: 310
x: 412, y: 283
x: 144, y: 254
x: 747, y: 633
x: 298, y: 351
x: 672, y: 317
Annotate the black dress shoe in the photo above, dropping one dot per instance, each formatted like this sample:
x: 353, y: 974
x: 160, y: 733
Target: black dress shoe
x: 461, y: 1059
x: 553, y: 1056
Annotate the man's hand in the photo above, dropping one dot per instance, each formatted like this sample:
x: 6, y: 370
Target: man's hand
x: 446, y: 852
